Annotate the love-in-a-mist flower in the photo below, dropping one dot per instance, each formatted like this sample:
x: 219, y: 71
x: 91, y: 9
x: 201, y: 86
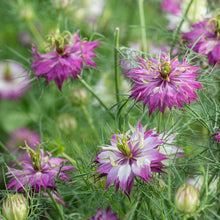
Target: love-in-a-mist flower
x: 129, y: 156
x: 68, y: 55
x: 104, y: 215
x: 14, y: 80
x: 18, y: 138
x: 164, y: 82
x: 39, y: 173
x: 205, y: 39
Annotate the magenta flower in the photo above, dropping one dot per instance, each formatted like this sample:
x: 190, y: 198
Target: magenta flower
x: 217, y: 136
x: 18, y: 138
x: 172, y: 6
x: 129, y: 156
x: 104, y: 215
x: 14, y: 80
x: 162, y: 83
x: 66, y: 59
x: 38, y: 173
x: 204, y: 39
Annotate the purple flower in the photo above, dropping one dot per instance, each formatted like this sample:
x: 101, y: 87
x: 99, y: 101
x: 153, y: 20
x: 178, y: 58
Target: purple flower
x: 18, y: 138
x: 104, y: 215
x: 39, y: 172
x: 162, y: 83
x: 67, y: 58
x: 217, y: 136
x: 204, y: 39
x: 172, y: 6
x: 129, y: 156
x: 14, y: 80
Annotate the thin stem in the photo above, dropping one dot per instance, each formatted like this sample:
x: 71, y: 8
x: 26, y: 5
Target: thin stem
x: 98, y: 99
x: 89, y: 120
x: 56, y: 205
x: 117, y: 74
x: 114, y: 204
x: 69, y: 158
x: 179, y: 28
x: 142, y: 22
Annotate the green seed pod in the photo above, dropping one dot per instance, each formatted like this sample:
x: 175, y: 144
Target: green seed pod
x: 15, y: 207
x: 78, y: 97
x: 187, y: 199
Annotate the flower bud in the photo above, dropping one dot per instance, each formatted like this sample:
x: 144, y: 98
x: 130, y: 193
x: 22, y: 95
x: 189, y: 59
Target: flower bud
x: 66, y: 124
x: 187, y: 199
x: 15, y: 207
x: 27, y: 13
x: 78, y: 97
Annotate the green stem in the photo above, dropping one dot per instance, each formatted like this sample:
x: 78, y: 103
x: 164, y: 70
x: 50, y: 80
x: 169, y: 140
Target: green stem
x: 179, y: 28
x: 117, y: 74
x: 142, y: 21
x: 56, y: 205
x: 89, y: 120
x: 69, y: 158
x: 185, y: 217
x: 114, y: 204
x: 35, y: 33
x: 98, y: 99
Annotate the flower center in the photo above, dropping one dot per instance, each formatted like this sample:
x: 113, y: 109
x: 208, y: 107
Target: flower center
x: 7, y: 73
x: 123, y: 146
x: 165, y: 71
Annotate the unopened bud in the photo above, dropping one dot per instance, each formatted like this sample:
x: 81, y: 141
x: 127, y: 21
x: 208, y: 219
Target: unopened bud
x: 15, y: 207
x: 66, y: 124
x: 187, y: 199
x: 27, y: 13
x: 78, y: 97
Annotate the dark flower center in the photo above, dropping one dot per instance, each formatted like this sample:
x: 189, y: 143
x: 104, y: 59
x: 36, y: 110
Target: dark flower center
x: 123, y: 147
x: 7, y: 73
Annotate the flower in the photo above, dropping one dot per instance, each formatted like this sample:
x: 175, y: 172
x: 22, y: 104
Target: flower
x: 14, y: 80
x: 175, y: 10
x: 66, y: 59
x: 104, y: 215
x: 18, y: 138
x: 217, y: 136
x: 162, y: 83
x: 38, y: 173
x: 205, y: 39
x: 129, y: 156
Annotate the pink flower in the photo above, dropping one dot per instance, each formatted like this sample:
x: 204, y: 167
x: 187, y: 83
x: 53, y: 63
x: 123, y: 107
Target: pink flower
x: 104, y: 215
x: 18, y: 138
x: 129, y: 156
x: 204, y: 39
x: 66, y: 59
x: 14, y: 80
x: 38, y: 173
x: 172, y: 6
x: 162, y: 83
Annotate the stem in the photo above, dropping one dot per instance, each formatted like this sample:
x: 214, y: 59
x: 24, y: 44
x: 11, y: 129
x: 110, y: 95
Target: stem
x: 98, y: 99
x: 184, y: 217
x: 56, y: 205
x: 117, y: 73
x: 179, y: 28
x: 35, y: 33
x: 114, y: 204
x: 89, y: 120
x: 142, y: 21
x: 69, y: 158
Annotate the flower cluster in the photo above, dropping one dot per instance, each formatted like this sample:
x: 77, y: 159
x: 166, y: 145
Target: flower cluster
x: 205, y: 39
x: 129, y: 156
x: 163, y: 82
x: 67, y: 58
